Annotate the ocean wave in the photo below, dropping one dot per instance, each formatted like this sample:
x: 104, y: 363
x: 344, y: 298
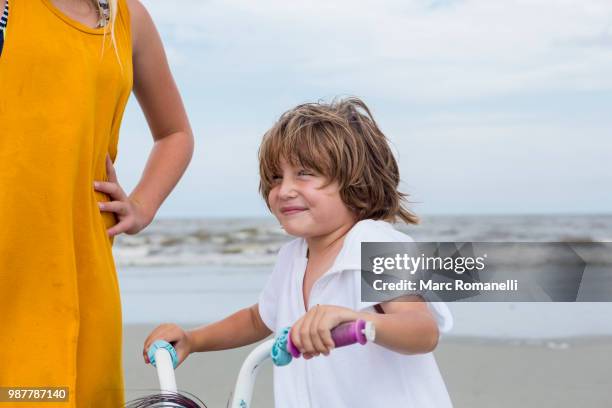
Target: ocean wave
x: 256, y: 241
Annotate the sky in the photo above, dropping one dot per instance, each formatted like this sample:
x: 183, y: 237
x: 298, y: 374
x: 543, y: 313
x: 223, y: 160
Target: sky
x: 491, y: 106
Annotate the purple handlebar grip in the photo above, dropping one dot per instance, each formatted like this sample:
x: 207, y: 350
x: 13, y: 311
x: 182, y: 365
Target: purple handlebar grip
x: 343, y: 335
x: 349, y: 333
x: 291, y: 348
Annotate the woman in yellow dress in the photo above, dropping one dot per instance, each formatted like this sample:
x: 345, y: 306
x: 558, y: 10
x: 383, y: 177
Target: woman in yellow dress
x: 67, y: 68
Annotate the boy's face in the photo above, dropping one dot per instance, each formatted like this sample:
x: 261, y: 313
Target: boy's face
x: 303, y: 208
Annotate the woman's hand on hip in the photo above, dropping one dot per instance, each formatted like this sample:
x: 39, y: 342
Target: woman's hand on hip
x: 131, y: 214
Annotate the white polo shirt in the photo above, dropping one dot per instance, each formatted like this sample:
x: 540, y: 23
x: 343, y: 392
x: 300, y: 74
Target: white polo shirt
x: 368, y: 376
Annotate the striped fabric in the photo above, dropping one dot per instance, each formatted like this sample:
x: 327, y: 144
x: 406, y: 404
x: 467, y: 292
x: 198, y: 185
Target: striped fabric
x: 3, y: 24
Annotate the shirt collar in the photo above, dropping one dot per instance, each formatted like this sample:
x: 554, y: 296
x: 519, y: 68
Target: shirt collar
x: 349, y: 257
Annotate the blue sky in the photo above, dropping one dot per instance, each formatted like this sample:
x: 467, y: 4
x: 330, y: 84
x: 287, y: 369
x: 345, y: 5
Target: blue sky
x: 491, y: 106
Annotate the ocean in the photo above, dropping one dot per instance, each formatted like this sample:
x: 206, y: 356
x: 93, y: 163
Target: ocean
x: 194, y: 271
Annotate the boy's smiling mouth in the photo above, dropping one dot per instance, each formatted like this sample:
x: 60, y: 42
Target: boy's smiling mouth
x: 290, y: 210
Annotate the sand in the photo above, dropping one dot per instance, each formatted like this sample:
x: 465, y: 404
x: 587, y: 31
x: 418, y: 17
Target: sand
x: 478, y: 373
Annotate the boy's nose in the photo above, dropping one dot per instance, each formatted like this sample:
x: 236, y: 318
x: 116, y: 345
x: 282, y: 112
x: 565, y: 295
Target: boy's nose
x: 287, y: 189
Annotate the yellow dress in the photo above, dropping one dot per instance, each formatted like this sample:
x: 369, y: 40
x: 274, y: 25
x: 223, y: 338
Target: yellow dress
x: 62, y: 98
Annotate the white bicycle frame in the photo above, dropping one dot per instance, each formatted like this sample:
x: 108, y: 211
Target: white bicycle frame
x: 243, y: 391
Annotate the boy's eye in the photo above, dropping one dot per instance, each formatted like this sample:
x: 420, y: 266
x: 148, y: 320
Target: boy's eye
x: 305, y: 173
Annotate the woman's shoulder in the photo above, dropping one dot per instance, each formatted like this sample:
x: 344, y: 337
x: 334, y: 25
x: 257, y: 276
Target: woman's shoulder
x: 140, y: 21
x: 136, y: 8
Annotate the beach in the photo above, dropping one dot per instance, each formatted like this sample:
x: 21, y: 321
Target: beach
x: 478, y: 373
x: 497, y: 355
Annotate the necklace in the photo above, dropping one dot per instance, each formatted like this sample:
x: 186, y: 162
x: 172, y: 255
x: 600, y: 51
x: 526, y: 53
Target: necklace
x: 103, y: 13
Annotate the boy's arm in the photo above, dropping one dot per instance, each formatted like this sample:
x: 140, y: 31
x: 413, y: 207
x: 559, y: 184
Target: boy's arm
x: 405, y: 327
x: 239, y: 329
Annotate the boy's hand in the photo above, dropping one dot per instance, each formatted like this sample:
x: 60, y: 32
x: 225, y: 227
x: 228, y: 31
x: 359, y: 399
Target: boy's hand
x: 174, y: 335
x: 132, y: 216
x: 312, y: 333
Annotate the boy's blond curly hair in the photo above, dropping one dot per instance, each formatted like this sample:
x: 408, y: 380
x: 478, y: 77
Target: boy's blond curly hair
x: 341, y: 141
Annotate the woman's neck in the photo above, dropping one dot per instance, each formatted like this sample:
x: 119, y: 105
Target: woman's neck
x: 83, y: 11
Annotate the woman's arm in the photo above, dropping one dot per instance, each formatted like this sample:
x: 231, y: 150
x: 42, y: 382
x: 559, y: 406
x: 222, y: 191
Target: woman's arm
x: 163, y: 108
